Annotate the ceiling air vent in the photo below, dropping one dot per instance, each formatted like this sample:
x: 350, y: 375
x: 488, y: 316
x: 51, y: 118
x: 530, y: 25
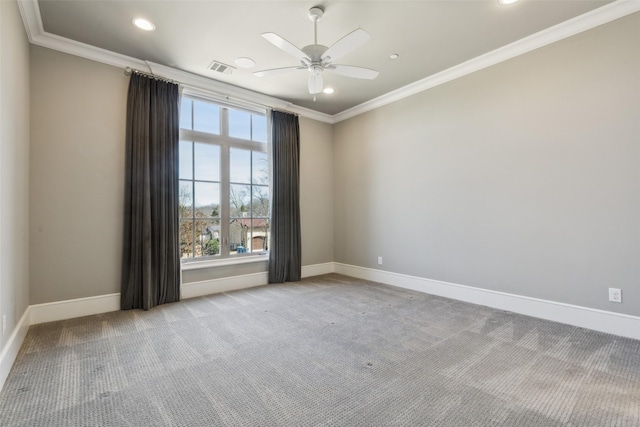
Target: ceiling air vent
x: 221, y: 68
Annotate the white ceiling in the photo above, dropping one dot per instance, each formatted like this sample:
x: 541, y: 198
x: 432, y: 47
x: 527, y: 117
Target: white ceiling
x: 429, y: 36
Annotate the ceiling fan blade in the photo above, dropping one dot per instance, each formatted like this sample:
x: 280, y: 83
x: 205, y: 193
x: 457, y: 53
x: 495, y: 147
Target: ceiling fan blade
x: 276, y: 71
x: 285, y: 45
x: 346, y: 44
x: 351, y: 71
x: 315, y: 82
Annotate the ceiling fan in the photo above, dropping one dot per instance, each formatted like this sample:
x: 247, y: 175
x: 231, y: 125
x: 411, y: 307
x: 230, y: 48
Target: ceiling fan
x: 317, y: 58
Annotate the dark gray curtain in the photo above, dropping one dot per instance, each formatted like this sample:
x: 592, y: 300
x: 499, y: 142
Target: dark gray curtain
x: 151, y: 259
x: 285, y: 262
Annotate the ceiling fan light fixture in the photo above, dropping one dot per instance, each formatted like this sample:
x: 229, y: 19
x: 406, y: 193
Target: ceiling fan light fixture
x: 144, y: 24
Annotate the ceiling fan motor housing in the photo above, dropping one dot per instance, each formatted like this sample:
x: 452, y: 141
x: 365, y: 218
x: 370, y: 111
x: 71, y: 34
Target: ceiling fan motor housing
x: 315, y: 52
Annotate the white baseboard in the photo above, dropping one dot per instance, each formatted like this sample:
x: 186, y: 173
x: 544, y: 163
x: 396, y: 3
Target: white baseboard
x: 318, y: 269
x: 69, y: 309
x: 228, y: 284
x: 598, y: 320
x: 224, y: 284
x: 12, y: 347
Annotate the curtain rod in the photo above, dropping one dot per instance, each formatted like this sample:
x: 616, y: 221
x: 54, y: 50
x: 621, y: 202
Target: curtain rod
x: 128, y: 71
x: 280, y: 110
x: 233, y: 100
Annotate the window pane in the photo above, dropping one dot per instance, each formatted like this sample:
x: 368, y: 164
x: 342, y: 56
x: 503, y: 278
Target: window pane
x: 202, y: 176
x: 239, y: 232
x: 260, y: 201
x: 207, y: 200
x: 240, y: 201
x: 186, y: 239
x: 259, y: 235
x: 207, y: 164
x: 260, y: 168
x: 206, y: 117
x: 240, y: 165
x: 185, y: 200
x: 207, y: 237
x: 239, y: 124
x: 259, y: 128
x: 186, y: 160
x: 185, y: 114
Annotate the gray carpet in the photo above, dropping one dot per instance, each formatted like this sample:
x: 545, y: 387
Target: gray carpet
x: 329, y: 351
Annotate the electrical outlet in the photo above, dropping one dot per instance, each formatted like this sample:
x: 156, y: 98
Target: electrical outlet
x: 379, y: 260
x: 4, y: 323
x: 615, y: 295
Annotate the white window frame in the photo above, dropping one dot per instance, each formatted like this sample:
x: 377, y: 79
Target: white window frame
x: 225, y: 142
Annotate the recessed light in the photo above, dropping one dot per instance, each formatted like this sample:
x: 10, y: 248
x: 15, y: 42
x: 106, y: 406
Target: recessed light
x: 394, y: 56
x: 328, y: 90
x: 505, y: 2
x: 245, y: 62
x: 144, y: 24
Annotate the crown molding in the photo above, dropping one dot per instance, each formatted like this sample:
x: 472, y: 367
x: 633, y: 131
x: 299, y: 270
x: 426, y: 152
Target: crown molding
x: 30, y: 12
x: 579, y: 24
x: 32, y: 20
x: 233, y: 93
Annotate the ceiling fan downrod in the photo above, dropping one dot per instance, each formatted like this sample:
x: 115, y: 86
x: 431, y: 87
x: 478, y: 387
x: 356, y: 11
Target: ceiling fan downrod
x: 315, y: 14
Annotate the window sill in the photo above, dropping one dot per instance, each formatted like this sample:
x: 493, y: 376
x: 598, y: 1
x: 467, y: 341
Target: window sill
x: 196, y: 265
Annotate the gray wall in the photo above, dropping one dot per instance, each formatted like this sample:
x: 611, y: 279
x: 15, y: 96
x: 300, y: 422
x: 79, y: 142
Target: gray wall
x: 77, y: 176
x: 522, y: 178
x: 14, y: 167
x: 78, y: 112
x: 316, y: 191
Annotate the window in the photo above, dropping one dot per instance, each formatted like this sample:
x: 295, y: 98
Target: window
x: 224, y: 181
